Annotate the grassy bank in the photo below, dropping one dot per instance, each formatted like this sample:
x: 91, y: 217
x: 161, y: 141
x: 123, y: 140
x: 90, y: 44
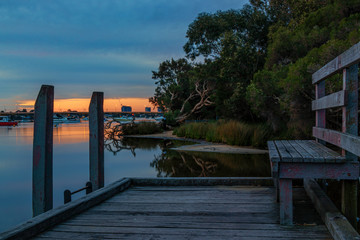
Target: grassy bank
x: 229, y: 132
x: 141, y: 128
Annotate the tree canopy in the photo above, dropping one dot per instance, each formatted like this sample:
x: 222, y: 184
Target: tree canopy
x: 255, y: 63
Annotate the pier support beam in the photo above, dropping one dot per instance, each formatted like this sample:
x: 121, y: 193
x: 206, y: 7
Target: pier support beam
x: 42, y: 190
x: 96, y: 127
x: 350, y: 121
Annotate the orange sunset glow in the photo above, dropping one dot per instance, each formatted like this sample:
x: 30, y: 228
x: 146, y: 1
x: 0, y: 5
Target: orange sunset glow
x: 82, y: 104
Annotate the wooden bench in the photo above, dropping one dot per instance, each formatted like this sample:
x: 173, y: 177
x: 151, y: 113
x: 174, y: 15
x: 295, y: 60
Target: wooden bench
x: 299, y: 159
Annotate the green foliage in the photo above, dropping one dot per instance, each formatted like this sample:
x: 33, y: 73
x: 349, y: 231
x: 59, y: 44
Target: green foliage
x: 284, y: 90
x: 141, y: 128
x: 229, y: 132
x: 257, y: 64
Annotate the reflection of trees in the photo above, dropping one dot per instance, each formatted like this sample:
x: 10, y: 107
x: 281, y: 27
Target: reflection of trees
x: 116, y: 142
x: 175, y: 164
x: 172, y: 163
x: 114, y: 139
x: 185, y: 164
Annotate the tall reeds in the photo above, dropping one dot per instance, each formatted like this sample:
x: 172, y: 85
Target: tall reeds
x: 230, y: 132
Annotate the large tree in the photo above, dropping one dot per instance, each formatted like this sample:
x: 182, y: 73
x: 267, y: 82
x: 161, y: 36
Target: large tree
x: 226, y: 49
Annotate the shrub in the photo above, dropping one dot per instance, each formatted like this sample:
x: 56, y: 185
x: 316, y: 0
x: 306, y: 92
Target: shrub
x: 230, y: 132
x: 141, y: 128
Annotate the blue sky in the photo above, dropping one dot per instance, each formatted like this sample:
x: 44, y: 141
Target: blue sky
x: 91, y: 45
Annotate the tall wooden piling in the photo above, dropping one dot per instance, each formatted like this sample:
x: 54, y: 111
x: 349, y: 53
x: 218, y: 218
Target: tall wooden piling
x: 96, y: 127
x: 350, y: 125
x: 42, y: 190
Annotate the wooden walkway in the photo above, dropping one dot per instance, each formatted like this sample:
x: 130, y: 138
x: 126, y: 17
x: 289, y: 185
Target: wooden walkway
x: 192, y: 212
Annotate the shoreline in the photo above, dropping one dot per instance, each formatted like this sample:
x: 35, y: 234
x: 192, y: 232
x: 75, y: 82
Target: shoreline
x: 202, y: 146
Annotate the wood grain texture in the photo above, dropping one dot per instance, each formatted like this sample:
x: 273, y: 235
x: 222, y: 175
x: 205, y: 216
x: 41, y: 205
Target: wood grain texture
x: 50, y: 218
x: 42, y: 170
x: 346, y: 59
x: 330, y: 101
x: 96, y: 140
x: 167, y: 213
x: 338, y: 171
x: 286, y: 201
x: 337, y: 224
x: 348, y: 142
x: 285, y: 155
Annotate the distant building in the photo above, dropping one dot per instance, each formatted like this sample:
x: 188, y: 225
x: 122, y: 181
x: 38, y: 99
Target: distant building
x: 126, y: 109
x: 147, y: 109
x: 159, y: 109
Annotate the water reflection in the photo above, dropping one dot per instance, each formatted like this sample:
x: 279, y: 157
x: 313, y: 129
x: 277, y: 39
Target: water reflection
x: 124, y: 157
x: 195, y: 164
x: 171, y: 163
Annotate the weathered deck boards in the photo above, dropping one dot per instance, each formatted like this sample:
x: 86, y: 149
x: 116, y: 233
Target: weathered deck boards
x: 192, y: 212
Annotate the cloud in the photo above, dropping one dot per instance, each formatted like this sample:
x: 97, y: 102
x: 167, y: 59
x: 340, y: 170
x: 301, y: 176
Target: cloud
x: 81, y: 46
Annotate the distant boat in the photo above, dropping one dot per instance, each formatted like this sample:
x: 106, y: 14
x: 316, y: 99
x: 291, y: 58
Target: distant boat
x: 26, y: 119
x: 5, y: 121
x: 123, y: 119
x: 72, y: 119
x: 57, y: 118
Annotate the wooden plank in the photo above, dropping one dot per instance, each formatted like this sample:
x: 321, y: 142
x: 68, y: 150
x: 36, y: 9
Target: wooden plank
x: 201, y: 189
x: 306, y: 156
x: 316, y: 157
x: 320, y: 115
x: 286, y: 201
x: 350, y: 113
x: 259, y: 218
x: 346, y: 59
x: 349, y: 170
x: 348, y: 142
x: 96, y: 140
x: 349, y: 200
x: 330, y: 101
x: 321, y: 150
x: 284, y: 154
x: 223, y: 233
x: 204, y: 181
x: 195, y: 208
x: 42, y: 178
x: 175, y: 225
x: 190, y: 199
x: 337, y: 224
x: 329, y: 152
x: 172, y: 237
x: 273, y: 152
x: 296, y: 156
x: 50, y: 218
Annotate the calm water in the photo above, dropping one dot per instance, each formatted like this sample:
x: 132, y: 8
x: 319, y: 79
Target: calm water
x: 126, y: 158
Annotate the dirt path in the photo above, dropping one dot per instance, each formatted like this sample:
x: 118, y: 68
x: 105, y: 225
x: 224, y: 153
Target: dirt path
x: 203, y: 146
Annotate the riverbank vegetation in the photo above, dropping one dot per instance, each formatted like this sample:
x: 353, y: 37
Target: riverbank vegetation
x: 141, y: 128
x: 253, y: 65
x: 229, y: 132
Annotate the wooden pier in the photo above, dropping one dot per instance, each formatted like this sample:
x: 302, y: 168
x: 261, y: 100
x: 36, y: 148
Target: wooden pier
x: 181, y: 208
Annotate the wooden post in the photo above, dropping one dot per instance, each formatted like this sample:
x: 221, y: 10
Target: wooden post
x: 350, y: 125
x: 320, y: 115
x: 42, y: 190
x: 96, y: 127
x: 286, y: 201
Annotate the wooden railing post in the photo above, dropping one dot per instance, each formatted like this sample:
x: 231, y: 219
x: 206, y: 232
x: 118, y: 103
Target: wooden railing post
x: 320, y: 115
x: 350, y: 125
x: 96, y: 127
x: 42, y: 191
